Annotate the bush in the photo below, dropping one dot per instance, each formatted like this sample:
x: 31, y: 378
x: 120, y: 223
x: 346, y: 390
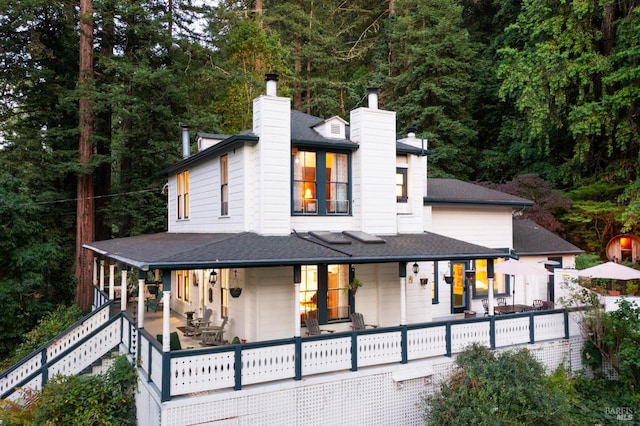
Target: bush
x: 500, y: 388
x: 52, y: 324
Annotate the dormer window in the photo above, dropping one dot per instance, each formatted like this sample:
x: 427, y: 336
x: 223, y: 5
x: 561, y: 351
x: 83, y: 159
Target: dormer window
x: 321, y: 183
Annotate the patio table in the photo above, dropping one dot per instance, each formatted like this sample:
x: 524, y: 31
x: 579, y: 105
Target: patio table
x: 511, y: 309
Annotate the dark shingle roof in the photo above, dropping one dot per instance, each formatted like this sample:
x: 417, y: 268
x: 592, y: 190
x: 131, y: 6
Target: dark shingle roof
x: 220, y: 250
x: 457, y: 192
x: 531, y: 239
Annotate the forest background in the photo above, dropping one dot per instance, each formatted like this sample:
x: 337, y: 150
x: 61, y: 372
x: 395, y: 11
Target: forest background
x: 538, y: 98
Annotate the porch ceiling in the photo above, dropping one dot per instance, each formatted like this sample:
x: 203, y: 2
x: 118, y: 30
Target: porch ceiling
x: 246, y: 249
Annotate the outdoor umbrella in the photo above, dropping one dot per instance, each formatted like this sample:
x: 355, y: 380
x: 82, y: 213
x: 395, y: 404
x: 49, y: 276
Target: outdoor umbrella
x: 610, y: 270
x: 516, y: 267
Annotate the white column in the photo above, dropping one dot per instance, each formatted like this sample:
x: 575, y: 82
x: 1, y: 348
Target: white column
x: 123, y: 290
x: 296, y: 289
x: 112, y: 269
x: 95, y: 271
x: 102, y: 275
x: 403, y: 300
x: 140, y: 299
x: 490, y: 296
x: 166, y: 322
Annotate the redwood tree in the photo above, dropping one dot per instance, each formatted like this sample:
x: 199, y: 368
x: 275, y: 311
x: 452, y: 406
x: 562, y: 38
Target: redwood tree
x: 85, y: 227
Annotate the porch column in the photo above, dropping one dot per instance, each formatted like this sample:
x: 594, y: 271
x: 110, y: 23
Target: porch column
x: 95, y: 270
x: 403, y: 292
x: 141, y: 275
x: 166, y: 322
x: 112, y: 269
x: 297, y: 277
x: 123, y: 290
x: 490, y: 284
x: 102, y: 275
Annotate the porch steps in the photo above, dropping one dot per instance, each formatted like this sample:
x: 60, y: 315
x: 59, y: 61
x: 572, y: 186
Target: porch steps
x: 102, y: 365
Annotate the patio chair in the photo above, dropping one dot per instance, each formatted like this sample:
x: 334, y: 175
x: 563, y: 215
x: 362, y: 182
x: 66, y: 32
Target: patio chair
x: 501, y: 301
x: 485, y: 305
x: 214, y: 335
x: 358, y: 322
x: 174, y: 341
x: 313, y: 327
x: 538, y: 304
x: 194, y: 326
x: 154, y: 303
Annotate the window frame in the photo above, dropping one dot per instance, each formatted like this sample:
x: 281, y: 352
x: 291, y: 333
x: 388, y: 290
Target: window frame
x: 323, y: 293
x: 321, y: 185
x: 224, y: 185
x: 403, y: 197
x: 182, y: 198
x: 475, y: 294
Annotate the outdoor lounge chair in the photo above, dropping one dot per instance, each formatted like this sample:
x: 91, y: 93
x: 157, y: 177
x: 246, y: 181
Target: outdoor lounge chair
x: 214, y: 335
x: 194, y: 326
x: 153, y: 303
x: 313, y: 327
x: 358, y: 322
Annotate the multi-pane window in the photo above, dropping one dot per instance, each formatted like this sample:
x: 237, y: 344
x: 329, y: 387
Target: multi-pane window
x: 481, y: 282
x: 183, y: 194
x: 224, y: 185
x: 183, y: 285
x: 401, y: 185
x: 323, y: 293
x: 320, y: 182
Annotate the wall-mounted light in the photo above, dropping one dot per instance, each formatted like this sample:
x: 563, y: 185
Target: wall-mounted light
x: 196, y: 279
x: 416, y: 268
x: 213, y: 278
x: 424, y: 281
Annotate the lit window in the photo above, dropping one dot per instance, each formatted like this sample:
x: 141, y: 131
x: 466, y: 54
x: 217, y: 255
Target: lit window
x: 323, y: 293
x: 481, y: 283
x: 183, y: 285
x: 401, y: 185
x: 320, y: 182
x: 183, y: 194
x: 224, y: 185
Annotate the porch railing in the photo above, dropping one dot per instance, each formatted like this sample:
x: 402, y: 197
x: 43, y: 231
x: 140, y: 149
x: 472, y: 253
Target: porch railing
x: 188, y: 371
x: 183, y: 372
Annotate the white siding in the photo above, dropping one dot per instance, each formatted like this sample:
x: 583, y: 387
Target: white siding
x: 410, y: 214
x: 489, y: 227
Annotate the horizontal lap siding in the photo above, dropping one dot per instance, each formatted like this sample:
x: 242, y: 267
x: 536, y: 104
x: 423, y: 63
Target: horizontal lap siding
x: 489, y: 227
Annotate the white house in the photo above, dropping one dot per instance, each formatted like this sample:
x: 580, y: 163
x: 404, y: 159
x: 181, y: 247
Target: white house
x: 295, y: 208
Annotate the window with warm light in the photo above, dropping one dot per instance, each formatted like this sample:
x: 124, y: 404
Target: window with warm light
x: 224, y: 185
x: 321, y: 184
x: 401, y: 185
x: 182, y: 181
x: 323, y: 293
x: 481, y: 283
x: 183, y: 285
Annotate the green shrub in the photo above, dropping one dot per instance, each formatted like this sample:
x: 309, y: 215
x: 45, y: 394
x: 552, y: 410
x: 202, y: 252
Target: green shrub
x: 500, y: 388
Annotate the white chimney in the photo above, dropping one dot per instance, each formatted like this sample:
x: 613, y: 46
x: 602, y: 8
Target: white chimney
x: 186, y: 145
x: 372, y: 95
x: 271, y: 78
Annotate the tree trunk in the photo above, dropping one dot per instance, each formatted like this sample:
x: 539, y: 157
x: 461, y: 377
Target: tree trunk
x: 85, y: 210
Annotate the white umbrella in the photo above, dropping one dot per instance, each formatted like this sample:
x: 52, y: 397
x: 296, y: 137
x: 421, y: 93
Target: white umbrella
x: 516, y: 267
x: 610, y: 270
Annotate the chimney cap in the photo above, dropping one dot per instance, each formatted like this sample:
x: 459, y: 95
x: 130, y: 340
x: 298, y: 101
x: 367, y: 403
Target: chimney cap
x: 372, y: 90
x: 271, y: 76
x: 411, y: 130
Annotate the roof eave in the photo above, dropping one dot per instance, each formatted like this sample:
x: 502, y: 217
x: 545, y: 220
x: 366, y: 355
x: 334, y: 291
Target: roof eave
x: 470, y: 203
x: 232, y: 142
